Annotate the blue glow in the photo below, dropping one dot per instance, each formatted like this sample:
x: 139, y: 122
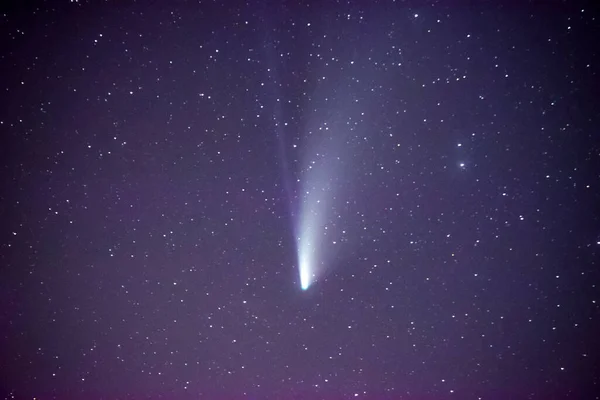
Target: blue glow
x: 304, y: 264
x: 319, y: 183
x: 304, y: 281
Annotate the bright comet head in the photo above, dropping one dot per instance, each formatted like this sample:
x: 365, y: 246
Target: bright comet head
x: 304, y: 266
x: 304, y: 278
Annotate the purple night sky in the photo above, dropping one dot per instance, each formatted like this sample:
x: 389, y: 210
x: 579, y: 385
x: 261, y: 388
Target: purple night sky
x: 165, y: 166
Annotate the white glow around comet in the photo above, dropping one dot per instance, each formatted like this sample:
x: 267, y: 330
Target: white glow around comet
x: 308, y: 249
x: 307, y: 256
x: 318, y: 188
x: 330, y: 146
x: 304, y: 274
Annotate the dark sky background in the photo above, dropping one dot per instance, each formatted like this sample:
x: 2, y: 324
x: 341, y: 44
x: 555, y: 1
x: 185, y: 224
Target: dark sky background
x: 151, y: 162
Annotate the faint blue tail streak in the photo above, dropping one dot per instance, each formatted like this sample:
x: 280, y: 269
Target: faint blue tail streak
x: 274, y: 93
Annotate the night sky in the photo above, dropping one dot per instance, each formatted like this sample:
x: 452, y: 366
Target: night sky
x: 168, y: 167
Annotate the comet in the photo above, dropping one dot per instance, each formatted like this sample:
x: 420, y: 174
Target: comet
x: 308, y: 250
x: 323, y: 187
x: 304, y: 274
x: 306, y: 253
x: 318, y: 191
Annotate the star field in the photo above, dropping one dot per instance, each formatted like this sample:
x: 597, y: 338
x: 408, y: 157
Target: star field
x: 158, y: 160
